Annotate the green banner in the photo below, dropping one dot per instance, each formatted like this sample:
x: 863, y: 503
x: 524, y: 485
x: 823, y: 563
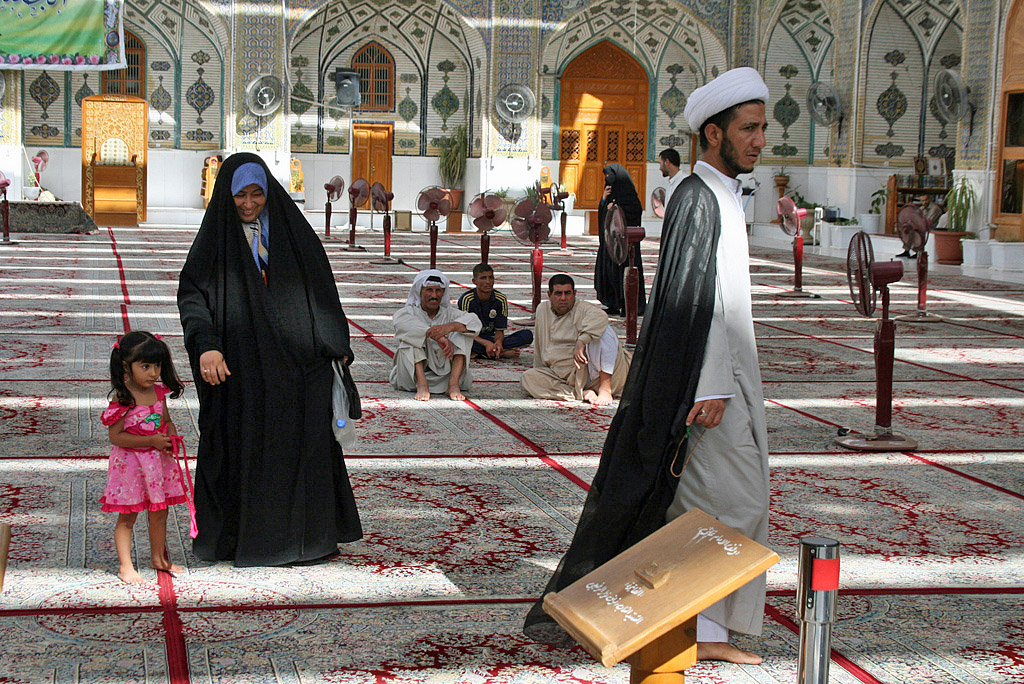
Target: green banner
x: 61, y: 34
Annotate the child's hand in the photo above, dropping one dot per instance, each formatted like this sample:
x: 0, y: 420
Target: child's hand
x: 162, y: 443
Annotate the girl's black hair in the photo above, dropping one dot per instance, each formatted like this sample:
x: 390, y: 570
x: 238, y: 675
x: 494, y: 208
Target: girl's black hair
x: 135, y: 346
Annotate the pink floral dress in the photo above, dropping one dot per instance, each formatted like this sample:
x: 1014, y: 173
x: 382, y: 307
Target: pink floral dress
x: 140, y: 479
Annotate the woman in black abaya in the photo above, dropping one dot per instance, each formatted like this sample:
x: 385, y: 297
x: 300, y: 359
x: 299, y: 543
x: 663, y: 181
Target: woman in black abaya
x: 262, y: 323
x: 608, y: 275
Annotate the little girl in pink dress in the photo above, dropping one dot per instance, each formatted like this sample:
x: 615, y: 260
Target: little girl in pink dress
x: 142, y: 475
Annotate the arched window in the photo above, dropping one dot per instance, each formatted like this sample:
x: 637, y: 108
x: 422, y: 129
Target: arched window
x: 131, y: 80
x: 376, y: 69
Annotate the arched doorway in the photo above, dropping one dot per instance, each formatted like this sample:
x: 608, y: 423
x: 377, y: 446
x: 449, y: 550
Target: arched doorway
x: 602, y: 120
x: 1008, y: 207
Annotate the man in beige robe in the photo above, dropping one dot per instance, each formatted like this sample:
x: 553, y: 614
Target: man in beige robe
x: 576, y: 353
x: 434, y: 341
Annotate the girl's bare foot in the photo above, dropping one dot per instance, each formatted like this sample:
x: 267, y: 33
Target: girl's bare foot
x: 165, y: 565
x: 130, y: 576
x: 723, y: 650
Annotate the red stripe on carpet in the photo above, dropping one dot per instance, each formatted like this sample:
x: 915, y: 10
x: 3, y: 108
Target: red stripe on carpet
x: 371, y: 339
x: 507, y: 428
x: 972, y: 478
x: 120, y: 266
x: 124, y: 316
x: 916, y: 591
x: 837, y: 657
x: 177, y: 655
x: 807, y: 415
x: 565, y: 471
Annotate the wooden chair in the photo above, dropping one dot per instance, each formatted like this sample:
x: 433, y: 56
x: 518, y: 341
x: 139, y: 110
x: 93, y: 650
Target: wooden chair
x: 114, y: 156
x: 211, y: 166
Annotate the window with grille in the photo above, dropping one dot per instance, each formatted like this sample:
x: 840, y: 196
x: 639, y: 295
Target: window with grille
x: 570, y: 145
x: 376, y: 69
x: 131, y: 80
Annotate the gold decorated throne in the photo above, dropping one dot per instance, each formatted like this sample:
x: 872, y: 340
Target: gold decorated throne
x: 114, y: 155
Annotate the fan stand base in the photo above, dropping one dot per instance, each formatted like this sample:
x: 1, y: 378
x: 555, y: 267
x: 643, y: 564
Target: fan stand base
x: 798, y: 294
x: 920, y: 317
x: 5, y: 243
x: 872, y: 442
x: 355, y: 248
x: 387, y: 261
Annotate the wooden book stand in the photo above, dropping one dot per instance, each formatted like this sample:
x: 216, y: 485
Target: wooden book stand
x: 642, y: 605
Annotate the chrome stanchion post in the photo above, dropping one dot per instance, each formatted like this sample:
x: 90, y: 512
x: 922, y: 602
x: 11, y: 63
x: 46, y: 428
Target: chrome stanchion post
x: 816, y: 606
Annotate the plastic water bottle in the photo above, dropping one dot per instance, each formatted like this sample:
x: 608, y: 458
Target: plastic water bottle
x: 344, y: 429
x: 344, y: 432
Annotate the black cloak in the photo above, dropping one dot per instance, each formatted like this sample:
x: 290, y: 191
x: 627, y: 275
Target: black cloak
x: 271, y: 485
x: 608, y: 275
x: 646, y: 442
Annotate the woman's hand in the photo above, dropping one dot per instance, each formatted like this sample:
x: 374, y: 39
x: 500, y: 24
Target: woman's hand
x: 212, y: 367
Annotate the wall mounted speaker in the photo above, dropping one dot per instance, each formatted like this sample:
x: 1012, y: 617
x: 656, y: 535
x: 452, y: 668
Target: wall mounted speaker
x: 348, y: 88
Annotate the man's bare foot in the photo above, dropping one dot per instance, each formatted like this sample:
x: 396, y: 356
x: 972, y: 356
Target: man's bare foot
x: 130, y: 576
x: 723, y: 650
x: 597, y: 398
x: 165, y: 565
x: 510, y: 354
x: 422, y: 394
x: 455, y: 394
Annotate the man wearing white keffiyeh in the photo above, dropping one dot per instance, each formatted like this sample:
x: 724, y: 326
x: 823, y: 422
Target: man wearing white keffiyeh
x: 434, y: 341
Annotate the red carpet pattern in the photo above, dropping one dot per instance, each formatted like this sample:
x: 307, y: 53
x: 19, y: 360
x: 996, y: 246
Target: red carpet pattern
x: 468, y: 506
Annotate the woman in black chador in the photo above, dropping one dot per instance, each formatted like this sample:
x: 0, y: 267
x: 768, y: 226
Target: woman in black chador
x: 608, y: 275
x: 262, y: 322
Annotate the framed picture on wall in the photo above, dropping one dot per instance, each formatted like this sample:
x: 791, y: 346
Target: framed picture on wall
x: 936, y: 167
x: 921, y: 165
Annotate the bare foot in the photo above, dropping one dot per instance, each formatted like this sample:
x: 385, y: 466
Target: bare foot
x: 597, y: 398
x: 510, y: 354
x: 422, y: 394
x: 455, y: 394
x: 130, y: 576
x: 165, y: 565
x: 722, y: 650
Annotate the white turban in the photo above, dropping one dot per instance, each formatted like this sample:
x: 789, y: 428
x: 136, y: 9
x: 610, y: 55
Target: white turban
x: 731, y: 88
x: 431, y: 276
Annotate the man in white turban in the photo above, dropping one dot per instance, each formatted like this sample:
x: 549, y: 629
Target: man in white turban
x: 694, y: 386
x: 434, y: 341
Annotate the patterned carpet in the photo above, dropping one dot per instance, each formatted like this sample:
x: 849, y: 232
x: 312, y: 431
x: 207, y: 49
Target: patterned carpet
x: 467, y: 506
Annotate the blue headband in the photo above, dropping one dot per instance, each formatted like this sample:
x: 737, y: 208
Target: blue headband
x: 248, y: 174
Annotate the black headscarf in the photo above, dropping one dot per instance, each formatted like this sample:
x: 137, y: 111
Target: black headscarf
x: 646, y: 442
x: 271, y: 485
x: 608, y: 275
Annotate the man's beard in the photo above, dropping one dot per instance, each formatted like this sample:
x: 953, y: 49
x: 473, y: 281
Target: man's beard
x: 729, y: 158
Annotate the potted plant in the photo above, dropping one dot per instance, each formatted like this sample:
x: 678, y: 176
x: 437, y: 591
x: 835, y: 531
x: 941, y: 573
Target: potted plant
x: 452, y: 164
x: 781, y: 178
x: 960, y: 201
x: 870, y: 220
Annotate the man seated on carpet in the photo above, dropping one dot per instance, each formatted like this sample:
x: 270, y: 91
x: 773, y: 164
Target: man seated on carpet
x: 491, y: 307
x: 577, y: 355
x: 434, y: 340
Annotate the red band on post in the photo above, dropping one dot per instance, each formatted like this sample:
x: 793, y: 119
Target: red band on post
x: 825, y: 574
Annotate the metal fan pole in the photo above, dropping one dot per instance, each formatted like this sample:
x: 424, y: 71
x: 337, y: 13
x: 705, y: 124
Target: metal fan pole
x: 433, y: 244
x: 921, y: 315
x: 562, y: 220
x: 537, y: 262
x: 327, y: 218
x: 632, y: 291
x: 5, y: 209
x: 485, y: 247
x: 798, y: 272
x: 387, y: 235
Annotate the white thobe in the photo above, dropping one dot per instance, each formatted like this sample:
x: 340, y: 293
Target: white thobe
x: 673, y: 183
x: 727, y: 474
x: 411, y: 324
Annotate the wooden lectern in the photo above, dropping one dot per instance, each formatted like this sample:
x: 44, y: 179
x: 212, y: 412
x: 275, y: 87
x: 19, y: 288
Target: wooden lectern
x: 642, y: 605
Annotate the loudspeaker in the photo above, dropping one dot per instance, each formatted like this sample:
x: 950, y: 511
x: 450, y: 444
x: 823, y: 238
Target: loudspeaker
x: 348, y: 88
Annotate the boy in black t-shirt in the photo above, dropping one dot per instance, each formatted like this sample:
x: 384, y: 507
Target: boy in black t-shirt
x: 491, y: 307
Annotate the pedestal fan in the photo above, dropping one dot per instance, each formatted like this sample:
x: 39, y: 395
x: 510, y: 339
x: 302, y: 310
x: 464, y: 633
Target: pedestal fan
x: 619, y: 241
x: 357, y: 195
x: 913, y: 229
x: 789, y: 222
x: 434, y: 202
x: 558, y: 197
x: 866, y: 278
x: 658, y: 202
x: 334, y: 188
x: 531, y: 225
x: 488, y: 212
x: 380, y: 200
x: 5, y: 208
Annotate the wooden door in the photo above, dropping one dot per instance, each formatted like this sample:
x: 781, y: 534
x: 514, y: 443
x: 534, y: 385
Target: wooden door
x: 603, y: 120
x: 371, y: 158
